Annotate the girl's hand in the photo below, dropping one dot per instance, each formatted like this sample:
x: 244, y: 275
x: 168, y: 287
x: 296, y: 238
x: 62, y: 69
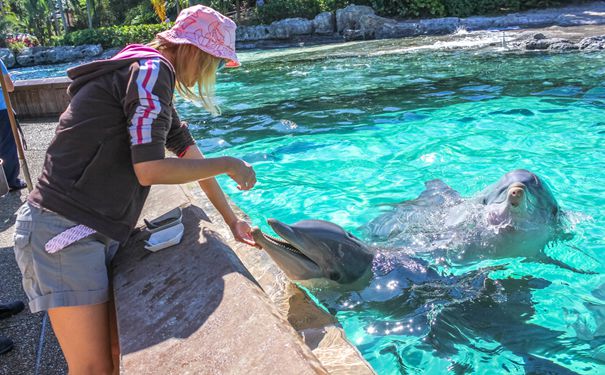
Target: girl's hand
x: 242, y: 173
x: 242, y: 232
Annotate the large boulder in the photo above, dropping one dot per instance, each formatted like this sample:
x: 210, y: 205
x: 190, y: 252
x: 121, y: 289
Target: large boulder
x: 324, y: 23
x: 53, y: 55
x: 289, y: 27
x: 439, y: 26
x: 592, y: 43
x: 397, y: 30
x: 350, y: 35
x: 477, y: 23
x: 245, y: 33
x: 563, y: 46
x: 348, y: 18
x: 370, y: 24
x: 545, y: 43
x: 525, y: 20
x: 7, y: 57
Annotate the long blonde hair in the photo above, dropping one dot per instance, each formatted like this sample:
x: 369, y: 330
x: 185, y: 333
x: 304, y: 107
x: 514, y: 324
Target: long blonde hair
x: 186, y: 54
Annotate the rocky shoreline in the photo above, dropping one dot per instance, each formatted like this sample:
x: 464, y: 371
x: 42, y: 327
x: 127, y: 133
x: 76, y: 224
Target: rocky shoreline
x: 361, y: 23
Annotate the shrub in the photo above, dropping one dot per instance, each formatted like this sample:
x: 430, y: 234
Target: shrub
x: 409, y: 8
x: 114, y: 36
x: 279, y: 9
x: 17, y: 42
x: 16, y: 47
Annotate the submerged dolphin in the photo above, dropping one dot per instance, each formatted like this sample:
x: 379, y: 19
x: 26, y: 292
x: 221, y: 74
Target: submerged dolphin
x: 516, y: 216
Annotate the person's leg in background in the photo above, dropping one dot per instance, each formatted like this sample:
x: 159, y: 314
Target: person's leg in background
x: 8, y: 153
x: 6, y: 311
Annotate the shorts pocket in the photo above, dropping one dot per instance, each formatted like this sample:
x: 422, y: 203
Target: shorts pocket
x: 23, y: 253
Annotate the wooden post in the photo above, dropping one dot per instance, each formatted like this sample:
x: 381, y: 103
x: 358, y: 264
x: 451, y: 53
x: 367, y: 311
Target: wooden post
x: 11, y: 116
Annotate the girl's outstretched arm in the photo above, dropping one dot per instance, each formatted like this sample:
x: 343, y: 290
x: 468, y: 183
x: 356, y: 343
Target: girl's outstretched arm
x: 240, y: 228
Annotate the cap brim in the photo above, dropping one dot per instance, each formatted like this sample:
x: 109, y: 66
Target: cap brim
x: 232, y: 58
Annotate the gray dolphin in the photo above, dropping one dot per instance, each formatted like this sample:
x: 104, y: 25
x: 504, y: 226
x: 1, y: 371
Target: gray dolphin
x: 516, y: 216
x: 321, y: 254
x: 333, y: 263
x: 316, y: 249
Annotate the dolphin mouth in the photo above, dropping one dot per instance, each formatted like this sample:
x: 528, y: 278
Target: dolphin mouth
x: 288, y: 256
x: 256, y: 232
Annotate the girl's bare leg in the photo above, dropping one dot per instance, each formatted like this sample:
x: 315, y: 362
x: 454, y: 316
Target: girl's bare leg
x: 85, y: 337
x: 113, y: 337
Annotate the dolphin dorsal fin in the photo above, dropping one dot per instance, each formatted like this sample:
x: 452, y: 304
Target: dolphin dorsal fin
x: 437, y: 192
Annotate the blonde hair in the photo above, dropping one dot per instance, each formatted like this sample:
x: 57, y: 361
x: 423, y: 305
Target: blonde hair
x: 187, y: 54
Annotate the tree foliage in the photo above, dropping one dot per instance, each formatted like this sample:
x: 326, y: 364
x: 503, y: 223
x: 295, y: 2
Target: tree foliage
x: 46, y: 19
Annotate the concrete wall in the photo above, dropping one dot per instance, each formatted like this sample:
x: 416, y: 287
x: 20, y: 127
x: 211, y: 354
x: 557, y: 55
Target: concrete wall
x: 37, y: 98
x: 194, y: 308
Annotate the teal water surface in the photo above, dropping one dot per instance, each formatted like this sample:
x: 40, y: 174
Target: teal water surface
x: 337, y: 132
x: 334, y: 136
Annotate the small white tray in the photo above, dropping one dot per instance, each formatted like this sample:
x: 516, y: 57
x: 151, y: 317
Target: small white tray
x: 165, y: 238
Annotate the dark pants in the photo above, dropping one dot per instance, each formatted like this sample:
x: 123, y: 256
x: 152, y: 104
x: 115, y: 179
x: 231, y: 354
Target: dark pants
x: 8, y: 150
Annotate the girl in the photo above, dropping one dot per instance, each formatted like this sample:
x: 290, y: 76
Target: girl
x: 108, y: 149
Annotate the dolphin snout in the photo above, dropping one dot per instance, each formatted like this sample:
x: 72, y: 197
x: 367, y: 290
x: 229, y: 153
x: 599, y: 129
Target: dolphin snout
x: 516, y: 194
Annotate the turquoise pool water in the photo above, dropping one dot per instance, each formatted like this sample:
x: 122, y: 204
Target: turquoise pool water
x: 335, y: 132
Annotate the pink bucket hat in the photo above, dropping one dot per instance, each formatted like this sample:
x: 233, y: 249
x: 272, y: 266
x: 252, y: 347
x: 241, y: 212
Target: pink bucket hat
x: 206, y: 29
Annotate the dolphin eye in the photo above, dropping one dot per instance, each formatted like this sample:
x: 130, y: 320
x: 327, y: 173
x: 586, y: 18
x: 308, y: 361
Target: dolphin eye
x: 350, y: 235
x: 334, y: 276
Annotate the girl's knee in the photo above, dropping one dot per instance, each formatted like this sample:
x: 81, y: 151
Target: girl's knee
x: 92, y: 366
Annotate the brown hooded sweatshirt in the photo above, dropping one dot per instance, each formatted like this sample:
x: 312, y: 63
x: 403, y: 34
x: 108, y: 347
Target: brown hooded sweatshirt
x: 121, y: 113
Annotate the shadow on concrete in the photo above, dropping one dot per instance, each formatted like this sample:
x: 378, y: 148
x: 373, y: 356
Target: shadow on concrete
x: 9, y: 204
x: 171, y: 293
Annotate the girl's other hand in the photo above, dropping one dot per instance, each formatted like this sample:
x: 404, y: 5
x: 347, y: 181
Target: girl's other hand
x: 242, y: 173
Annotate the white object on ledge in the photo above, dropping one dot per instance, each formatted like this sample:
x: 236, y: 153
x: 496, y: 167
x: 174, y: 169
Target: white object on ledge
x: 165, y: 238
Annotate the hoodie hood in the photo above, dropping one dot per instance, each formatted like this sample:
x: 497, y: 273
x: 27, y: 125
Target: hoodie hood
x: 82, y: 74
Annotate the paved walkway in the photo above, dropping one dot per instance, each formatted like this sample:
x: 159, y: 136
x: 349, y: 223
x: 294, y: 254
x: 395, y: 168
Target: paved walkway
x: 25, y: 328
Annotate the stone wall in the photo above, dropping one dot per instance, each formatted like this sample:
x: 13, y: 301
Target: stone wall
x: 48, y: 55
x: 360, y: 22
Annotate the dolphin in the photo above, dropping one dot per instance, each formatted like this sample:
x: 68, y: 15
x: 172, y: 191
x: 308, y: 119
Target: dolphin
x: 321, y: 255
x: 517, y: 213
x: 396, y: 293
x: 516, y: 216
x: 316, y: 249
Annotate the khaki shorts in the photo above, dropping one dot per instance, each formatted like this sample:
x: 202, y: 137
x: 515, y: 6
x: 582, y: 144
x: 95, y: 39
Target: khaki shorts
x: 76, y: 275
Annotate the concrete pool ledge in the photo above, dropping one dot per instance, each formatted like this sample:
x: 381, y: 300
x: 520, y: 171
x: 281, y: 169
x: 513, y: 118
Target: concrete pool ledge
x: 320, y: 330
x: 195, y: 308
